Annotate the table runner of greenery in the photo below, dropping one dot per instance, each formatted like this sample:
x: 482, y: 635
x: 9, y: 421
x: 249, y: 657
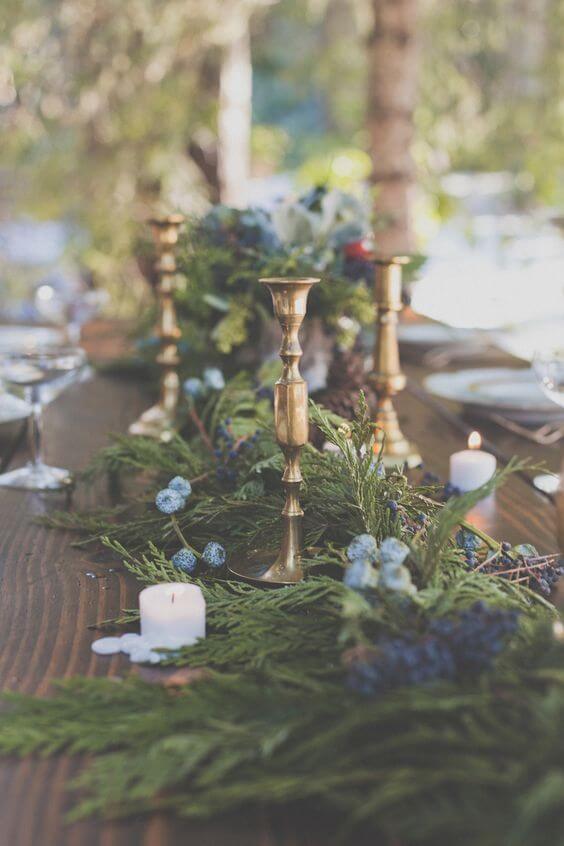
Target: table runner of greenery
x: 431, y: 715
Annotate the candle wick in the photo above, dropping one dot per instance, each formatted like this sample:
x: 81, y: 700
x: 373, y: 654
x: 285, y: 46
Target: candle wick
x: 173, y: 599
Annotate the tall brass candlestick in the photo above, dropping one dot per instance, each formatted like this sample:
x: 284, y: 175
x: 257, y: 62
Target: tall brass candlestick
x: 159, y: 421
x: 282, y: 567
x: 387, y: 377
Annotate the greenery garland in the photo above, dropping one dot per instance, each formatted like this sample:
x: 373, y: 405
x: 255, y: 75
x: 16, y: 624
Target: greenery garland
x: 467, y: 752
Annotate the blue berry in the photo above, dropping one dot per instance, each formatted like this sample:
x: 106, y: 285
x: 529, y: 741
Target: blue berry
x: 214, y: 379
x: 360, y: 575
x: 450, y: 491
x: 193, y: 387
x: 467, y: 540
x: 392, y: 506
x: 362, y: 548
x: 393, y: 552
x: 185, y: 560
x: 214, y: 555
x: 182, y: 485
x: 169, y: 501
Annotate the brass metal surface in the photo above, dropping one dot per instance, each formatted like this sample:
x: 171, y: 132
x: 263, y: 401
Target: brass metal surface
x: 283, y: 566
x: 159, y: 421
x: 387, y: 377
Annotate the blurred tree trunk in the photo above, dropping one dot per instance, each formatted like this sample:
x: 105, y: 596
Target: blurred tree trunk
x: 234, y: 117
x: 392, y: 85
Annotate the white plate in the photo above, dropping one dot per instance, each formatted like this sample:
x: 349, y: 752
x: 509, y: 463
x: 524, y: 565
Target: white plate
x: 27, y: 338
x: 433, y: 334
x: 525, y: 340
x: 511, y: 392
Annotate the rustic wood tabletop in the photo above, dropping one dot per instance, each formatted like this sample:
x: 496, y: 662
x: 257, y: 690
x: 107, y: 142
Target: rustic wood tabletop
x: 50, y: 592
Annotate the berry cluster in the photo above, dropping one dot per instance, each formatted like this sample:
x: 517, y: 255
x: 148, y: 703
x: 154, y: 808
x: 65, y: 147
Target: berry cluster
x: 173, y: 498
x: 468, y: 542
x: 447, y: 491
x: 229, y: 448
x: 520, y: 564
x: 212, y: 380
x: 452, y: 647
x: 363, y: 553
x: 213, y: 557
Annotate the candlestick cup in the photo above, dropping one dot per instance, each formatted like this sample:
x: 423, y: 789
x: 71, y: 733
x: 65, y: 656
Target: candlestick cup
x: 283, y: 566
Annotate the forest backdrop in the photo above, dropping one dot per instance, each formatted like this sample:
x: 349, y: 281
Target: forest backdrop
x: 112, y: 110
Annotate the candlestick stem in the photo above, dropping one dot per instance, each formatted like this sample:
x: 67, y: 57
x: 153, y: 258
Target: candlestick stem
x: 289, y: 297
x: 387, y: 377
x: 159, y: 421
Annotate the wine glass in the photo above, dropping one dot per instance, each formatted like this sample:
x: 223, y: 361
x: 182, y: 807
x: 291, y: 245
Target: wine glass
x: 548, y: 366
x: 31, y: 371
x: 69, y: 307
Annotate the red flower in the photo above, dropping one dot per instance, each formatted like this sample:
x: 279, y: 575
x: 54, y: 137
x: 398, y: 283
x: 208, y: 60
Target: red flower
x: 358, y: 250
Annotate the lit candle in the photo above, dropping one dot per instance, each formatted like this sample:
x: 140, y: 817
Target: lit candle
x: 471, y: 468
x: 172, y: 614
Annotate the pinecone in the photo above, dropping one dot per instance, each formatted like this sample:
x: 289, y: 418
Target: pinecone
x: 345, y: 379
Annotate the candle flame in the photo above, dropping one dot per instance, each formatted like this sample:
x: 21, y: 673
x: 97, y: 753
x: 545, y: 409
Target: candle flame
x: 474, y: 440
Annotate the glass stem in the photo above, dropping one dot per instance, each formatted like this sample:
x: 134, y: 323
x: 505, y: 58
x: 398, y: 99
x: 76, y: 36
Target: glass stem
x: 35, y: 424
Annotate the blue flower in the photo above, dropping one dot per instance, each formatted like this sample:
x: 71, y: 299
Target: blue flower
x: 360, y: 575
x: 213, y: 378
x: 362, y: 548
x: 185, y: 560
x: 168, y: 501
x: 182, y: 485
x: 214, y: 555
x: 393, y: 552
x: 193, y: 387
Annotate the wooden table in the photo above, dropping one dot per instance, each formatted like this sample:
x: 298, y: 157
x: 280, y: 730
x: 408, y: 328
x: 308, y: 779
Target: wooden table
x: 50, y: 592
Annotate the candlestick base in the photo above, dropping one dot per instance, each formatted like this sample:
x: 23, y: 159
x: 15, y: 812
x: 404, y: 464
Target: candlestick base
x: 268, y: 568
x: 399, y: 453
x: 154, y: 423
x: 397, y: 450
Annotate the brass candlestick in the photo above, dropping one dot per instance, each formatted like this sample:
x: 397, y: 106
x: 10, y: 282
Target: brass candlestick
x: 283, y: 567
x: 159, y: 421
x: 387, y: 377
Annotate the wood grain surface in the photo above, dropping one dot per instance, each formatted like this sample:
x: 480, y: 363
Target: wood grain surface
x: 50, y: 592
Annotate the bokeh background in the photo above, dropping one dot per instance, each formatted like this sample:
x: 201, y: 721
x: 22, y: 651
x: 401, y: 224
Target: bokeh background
x: 447, y: 118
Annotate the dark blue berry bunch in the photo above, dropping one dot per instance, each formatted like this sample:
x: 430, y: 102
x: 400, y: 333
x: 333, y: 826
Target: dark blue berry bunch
x: 476, y: 636
x: 469, y: 543
x: 228, y: 449
x: 399, y: 662
x: 521, y: 564
x: 393, y: 508
x: 449, y: 491
x: 452, y: 647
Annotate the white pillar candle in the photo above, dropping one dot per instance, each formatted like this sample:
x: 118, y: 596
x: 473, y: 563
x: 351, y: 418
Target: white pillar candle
x: 172, y: 614
x: 471, y: 468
